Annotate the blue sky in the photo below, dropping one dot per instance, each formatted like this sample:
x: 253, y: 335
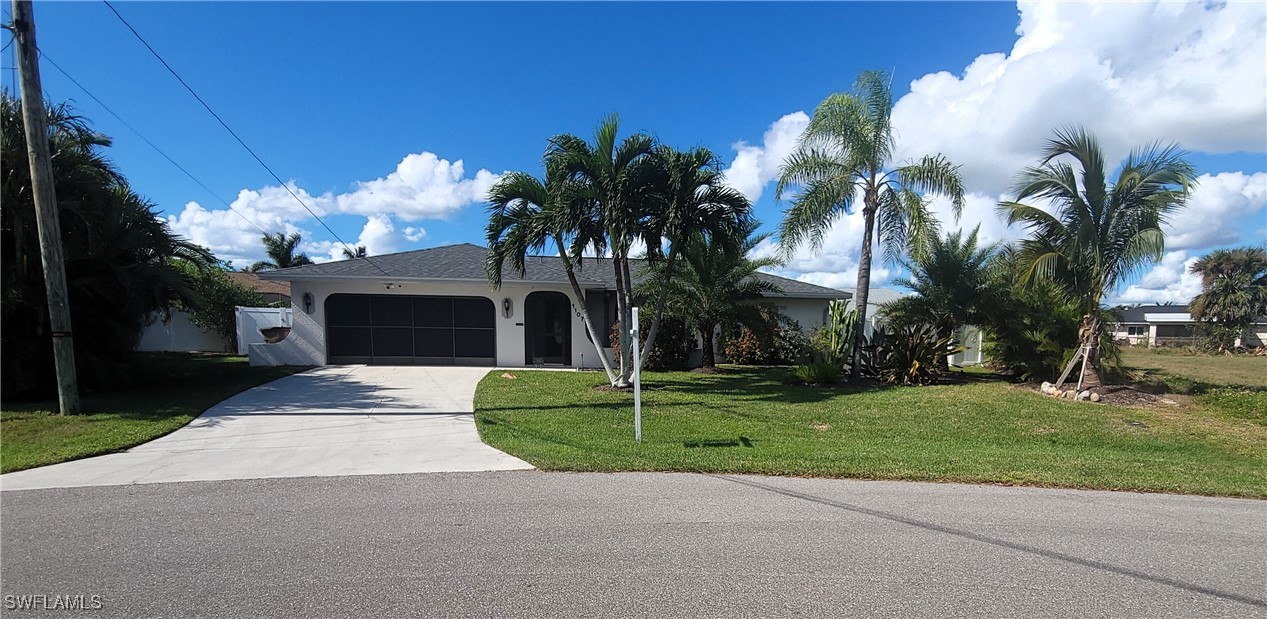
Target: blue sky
x: 336, y: 96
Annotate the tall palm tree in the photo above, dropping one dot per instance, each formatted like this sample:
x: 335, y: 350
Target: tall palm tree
x: 1233, y: 287
x: 691, y: 198
x: 949, y: 279
x: 528, y: 216
x: 620, y: 176
x: 356, y: 252
x: 118, y: 254
x: 1095, y: 234
x: 281, y: 252
x: 716, y: 284
x: 847, y: 151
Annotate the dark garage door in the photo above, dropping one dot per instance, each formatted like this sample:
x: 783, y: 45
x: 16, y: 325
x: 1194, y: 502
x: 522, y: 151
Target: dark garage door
x: 405, y: 330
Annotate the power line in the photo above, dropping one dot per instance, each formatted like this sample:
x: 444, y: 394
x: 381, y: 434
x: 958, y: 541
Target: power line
x: 279, y: 180
x: 105, y: 107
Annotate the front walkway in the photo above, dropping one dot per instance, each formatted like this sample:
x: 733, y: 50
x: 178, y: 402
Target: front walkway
x: 336, y: 420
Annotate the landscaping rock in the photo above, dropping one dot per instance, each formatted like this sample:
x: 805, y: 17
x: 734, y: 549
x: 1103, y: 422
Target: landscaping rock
x: 1082, y: 395
x: 1046, y: 387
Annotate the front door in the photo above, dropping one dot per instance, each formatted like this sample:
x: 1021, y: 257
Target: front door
x: 548, y: 329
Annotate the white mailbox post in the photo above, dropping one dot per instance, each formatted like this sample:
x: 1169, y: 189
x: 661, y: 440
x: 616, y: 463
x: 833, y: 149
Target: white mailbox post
x: 637, y: 378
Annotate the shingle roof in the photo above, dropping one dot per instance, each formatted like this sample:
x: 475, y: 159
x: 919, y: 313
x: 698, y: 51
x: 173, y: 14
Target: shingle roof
x: 465, y: 262
x: 253, y: 282
x: 1136, y: 314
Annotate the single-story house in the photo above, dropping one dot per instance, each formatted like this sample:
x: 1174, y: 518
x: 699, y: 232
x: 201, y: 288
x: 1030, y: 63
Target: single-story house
x: 435, y: 307
x: 1171, y: 325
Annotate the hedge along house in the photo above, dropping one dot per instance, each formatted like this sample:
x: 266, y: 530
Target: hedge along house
x: 436, y: 307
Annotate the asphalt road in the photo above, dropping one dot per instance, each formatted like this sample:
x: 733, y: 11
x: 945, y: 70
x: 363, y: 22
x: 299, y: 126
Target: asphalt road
x: 532, y: 544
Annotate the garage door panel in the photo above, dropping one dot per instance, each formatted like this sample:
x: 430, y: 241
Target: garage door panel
x: 392, y: 311
x: 433, y: 311
x: 433, y: 342
x: 349, y: 341
x: 348, y: 310
x: 475, y: 313
x: 393, y: 342
x: 474, y: 343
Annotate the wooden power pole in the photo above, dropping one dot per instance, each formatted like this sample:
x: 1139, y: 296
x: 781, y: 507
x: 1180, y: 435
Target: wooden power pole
x: 50, y: 229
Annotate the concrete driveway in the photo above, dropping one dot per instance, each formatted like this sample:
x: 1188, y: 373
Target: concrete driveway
x: 337, y: 420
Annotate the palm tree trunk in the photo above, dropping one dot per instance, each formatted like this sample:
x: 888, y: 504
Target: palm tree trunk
x: 585, y: 315
x: 1090, y: 331
x: 862, y: 291
x: 706, y: 332
x: 622, y: 309
x: 661, y: 300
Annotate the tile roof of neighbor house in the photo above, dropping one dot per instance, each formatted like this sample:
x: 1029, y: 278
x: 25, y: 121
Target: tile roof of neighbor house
x: 263, y: 286
x: 465, y: 262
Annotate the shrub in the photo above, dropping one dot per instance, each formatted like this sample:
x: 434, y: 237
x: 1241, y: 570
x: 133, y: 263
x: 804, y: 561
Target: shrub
x: 779, y: 340
x: 833, y: 342
x: 673, y: 344
x: 819, y: 373
x: 216, y: 297
x: 909, y: 355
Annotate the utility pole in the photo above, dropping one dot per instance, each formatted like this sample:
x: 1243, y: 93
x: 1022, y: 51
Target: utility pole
x: 50, y: 229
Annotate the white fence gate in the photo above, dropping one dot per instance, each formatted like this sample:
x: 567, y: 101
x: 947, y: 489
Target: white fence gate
x: 252, y: 319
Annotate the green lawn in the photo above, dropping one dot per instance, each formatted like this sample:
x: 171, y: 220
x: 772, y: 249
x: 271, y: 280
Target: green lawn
x: 1182, y: 372
x: 167, y: 390
x: 984, y: 431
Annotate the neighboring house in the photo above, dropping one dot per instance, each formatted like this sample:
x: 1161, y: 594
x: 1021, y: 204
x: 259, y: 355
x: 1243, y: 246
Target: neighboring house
x: 272, y: 291
x: 876, y: 297
x: 1171, y: 325
x: 436, y: 307
x: 970, y: 337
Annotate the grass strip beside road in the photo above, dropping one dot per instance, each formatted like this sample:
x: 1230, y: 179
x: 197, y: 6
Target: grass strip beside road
x: 746, y: 420
x: 166, y: 391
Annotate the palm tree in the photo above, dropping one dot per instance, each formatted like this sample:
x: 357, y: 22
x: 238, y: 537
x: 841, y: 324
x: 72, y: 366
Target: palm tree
x: 692, y: 198
x: 846, y: 151
x: 716, y: 284
x: 357, y: 252
x: 281, y: 253
x: 948, y: 279
x: 1095, y: 234
x: 620, y: 177
x: 1233, y: 287
x: 118, y: 254
x: 527, y: 216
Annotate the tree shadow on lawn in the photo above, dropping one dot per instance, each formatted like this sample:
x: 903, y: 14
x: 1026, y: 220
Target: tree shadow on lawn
x: 756, y: 387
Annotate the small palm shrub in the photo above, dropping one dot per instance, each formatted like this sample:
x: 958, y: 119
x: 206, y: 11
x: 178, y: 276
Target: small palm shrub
x: 908, y: 355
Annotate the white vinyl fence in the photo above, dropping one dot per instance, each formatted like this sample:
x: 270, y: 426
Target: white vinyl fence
x: 252, y: 319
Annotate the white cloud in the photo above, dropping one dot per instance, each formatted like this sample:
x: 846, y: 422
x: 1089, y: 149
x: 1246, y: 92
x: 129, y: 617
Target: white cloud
x: 1168, y: 281
x: 423, y: 186
x: 754, y: 167
x: 835, y: 263
x: 1214, y: 212
x: 413, y: 235
x: 1131, y: 72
